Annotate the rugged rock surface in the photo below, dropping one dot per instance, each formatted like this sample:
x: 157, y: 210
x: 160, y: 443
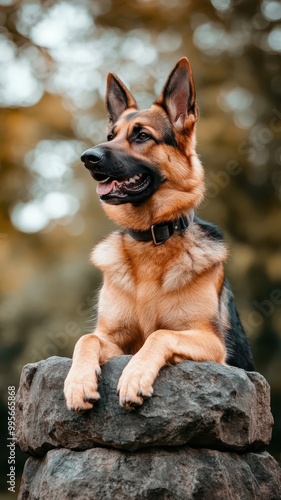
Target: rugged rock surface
x: 156, y: 452
x: 103, y: 474
x: 200, y: 404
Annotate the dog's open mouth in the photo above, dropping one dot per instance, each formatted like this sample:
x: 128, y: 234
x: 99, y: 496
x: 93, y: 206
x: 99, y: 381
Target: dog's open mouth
x: 121, y: 177
x: 119, y: 188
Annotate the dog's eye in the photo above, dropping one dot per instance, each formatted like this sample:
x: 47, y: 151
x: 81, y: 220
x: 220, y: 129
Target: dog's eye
x: 142, y: 136
x: 110, y: 137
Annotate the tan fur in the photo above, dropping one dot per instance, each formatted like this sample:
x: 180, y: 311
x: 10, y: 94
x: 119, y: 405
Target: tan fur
x: 159, y: 303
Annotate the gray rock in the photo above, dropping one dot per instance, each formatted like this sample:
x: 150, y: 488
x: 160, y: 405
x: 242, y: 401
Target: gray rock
x: 183, y: 474
x: 202, y: 404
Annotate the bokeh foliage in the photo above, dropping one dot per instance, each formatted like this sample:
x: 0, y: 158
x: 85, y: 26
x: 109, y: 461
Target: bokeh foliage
x: 54, y: 58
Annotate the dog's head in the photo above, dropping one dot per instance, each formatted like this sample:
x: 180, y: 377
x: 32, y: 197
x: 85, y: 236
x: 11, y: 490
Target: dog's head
x: 148, y: 171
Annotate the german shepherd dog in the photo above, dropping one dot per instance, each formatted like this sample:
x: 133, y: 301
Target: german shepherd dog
x: 165, y: 298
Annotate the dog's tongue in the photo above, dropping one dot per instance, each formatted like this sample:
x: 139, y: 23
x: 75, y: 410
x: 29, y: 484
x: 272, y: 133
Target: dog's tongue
x: 106, y: 187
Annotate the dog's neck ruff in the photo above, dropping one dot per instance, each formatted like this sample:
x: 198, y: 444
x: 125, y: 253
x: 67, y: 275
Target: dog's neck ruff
x: 159, y: 233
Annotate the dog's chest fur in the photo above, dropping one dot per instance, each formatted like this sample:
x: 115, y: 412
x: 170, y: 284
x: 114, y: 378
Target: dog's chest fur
x: 143, y: 270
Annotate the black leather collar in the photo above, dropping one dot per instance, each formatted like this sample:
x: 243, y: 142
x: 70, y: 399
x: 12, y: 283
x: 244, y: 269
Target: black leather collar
x: 159, y: 233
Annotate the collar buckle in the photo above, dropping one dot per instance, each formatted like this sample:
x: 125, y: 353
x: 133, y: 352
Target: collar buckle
x: 166, y: 231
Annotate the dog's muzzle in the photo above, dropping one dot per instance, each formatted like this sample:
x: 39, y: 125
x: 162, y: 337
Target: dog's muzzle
x: 121, y: 177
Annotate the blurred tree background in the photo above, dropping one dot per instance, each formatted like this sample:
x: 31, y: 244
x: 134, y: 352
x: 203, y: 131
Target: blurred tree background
x: 54, y: 59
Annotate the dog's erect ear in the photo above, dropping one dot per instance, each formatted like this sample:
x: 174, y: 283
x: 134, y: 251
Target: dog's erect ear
x: 178, y: 96
x: 117, y: 98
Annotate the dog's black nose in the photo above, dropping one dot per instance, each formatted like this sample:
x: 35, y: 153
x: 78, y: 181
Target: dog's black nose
x: 92, y: 155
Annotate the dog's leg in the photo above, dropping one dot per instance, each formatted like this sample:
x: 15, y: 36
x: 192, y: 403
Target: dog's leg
x: 81, y: 383
x: 162, y: 346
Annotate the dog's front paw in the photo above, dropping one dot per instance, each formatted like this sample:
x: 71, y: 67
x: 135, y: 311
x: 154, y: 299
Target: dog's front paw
x: 135, y: 385
x: 81, y: 390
